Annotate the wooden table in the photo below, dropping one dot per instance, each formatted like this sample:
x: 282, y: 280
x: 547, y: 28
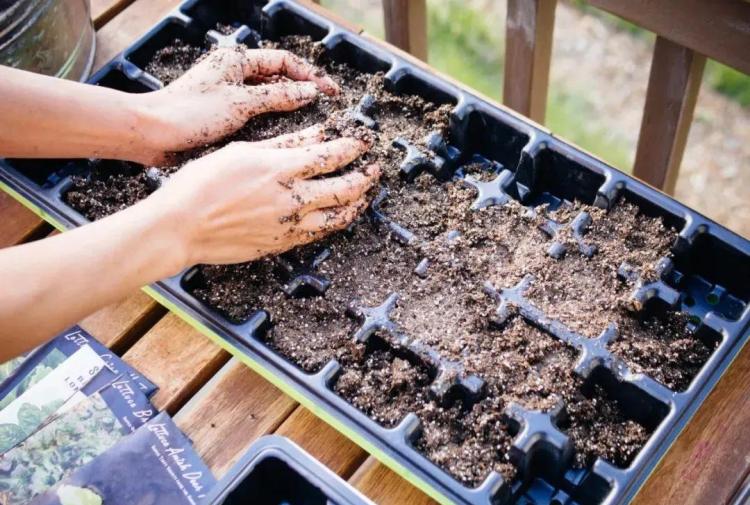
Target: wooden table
x: 223, y: 406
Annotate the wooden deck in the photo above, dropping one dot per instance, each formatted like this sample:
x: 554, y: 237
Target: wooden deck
x: 224, y: 406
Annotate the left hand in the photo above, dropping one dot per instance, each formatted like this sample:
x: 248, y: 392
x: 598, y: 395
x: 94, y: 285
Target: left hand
x: 211, y: 100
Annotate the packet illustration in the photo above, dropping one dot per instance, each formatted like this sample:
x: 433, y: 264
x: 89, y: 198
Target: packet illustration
x: 156, y: 464
x: 70, y: 440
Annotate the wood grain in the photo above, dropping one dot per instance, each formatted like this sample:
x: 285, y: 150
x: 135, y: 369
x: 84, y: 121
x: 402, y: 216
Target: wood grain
x: 314, y: 5
x: 177, y: 358
x: 528, y: 49
x: 231, y: 414
x: 384, y: 487
x: 710, y: 459
x: 102, y: 11
x: 17, y: 223
x: 719, y: 29
x: 673, y: 87
x: 119, y: 325
x: 126, y: 27
x: 406, y: 25
x: 323, y: 442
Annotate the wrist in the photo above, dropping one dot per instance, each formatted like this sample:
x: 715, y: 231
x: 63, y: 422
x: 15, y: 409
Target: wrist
x: 166, y: 230
x: 152, y: 144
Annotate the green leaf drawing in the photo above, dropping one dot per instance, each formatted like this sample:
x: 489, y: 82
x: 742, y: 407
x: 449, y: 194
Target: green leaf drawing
x: 10, y: 434
x: 72, y: 495
x: 30, y: 417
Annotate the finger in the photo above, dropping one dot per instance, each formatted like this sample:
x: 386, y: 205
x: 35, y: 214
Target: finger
x: 319, y: 223
x: 312, y: 135
x: 335, y: 191
x: 276, y: 61
x: 279, y: 97
x: 323, y: 158
x: 223, y: 64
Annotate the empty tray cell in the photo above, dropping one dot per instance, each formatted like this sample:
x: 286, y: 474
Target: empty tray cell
x: 712, y: 276
x: 172, y: 50
x: 281, y: 22
x: 486, y: 132
x: 215, y: 15
x: 115, y: 79
x: 359, y: 57
x: 429, y: 88
x: 274, y: 481
x: 555, y: 174
x: 47, y: 173
x: 611, y: 420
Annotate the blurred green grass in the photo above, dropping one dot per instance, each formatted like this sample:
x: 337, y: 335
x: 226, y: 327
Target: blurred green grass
x: 469, y: 44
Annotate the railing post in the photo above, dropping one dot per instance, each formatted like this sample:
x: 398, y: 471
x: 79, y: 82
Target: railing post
x: 673, y: 86
x: 528, y: 48
x: 406, y: 25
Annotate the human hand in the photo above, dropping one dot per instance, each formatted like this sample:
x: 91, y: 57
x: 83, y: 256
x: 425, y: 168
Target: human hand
x: 252, y: 199
x: 212, y: 99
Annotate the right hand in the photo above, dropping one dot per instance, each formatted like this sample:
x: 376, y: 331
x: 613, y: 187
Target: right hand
x: 253, y: 199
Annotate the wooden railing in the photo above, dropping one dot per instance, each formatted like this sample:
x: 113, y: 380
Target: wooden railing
x: 687, y: 31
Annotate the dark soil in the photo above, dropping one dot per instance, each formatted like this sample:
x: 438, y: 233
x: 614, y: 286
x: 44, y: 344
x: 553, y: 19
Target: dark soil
x: 172, y: 61
x: 445, y: 305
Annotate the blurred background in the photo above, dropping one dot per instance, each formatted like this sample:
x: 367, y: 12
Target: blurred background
x: 599, y: 74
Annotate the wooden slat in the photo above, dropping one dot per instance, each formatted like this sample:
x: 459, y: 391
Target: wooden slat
x: 323, y: 442
x: 102, y: 11
x: 314, y: 5
x: 17, y: 223
x: 673, y: 87
x: 528, y: 48
x: 240, y: 407
x: 719, y: 29
x: 406, y: 25
x: 119, y: 325
x: 384, y: 487
x: 130, y: 24
x: 709, y: 460
x: 177, y: 358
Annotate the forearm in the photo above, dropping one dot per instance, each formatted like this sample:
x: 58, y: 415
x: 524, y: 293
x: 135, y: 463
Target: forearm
x: 44, y: 117
x: 51, y: 284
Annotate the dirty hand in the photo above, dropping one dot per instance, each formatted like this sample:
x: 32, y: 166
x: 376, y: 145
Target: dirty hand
x: 251, y: 199
x: 220, y: 93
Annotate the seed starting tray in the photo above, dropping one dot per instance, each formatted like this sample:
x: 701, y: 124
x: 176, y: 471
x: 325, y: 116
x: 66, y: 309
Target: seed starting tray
x: 275, y: 471
x: 708, y: 277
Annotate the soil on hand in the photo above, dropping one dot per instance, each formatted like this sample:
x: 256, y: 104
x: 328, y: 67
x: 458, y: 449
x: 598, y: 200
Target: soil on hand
x: 441, y: 279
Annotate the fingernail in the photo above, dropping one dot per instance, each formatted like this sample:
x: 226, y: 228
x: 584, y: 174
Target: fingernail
x: 333, y: 88
x: 309, y: 89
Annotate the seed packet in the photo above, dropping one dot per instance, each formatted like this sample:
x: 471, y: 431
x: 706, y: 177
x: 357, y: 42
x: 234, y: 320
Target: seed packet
x: 10, y: 366
x: 156, y: 464
x: 21, y: 417
x: 46, y: 358
x: 69, y: 440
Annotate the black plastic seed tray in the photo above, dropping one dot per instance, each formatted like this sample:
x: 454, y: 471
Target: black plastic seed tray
x: 708, y: 277
x: 275, y: 471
